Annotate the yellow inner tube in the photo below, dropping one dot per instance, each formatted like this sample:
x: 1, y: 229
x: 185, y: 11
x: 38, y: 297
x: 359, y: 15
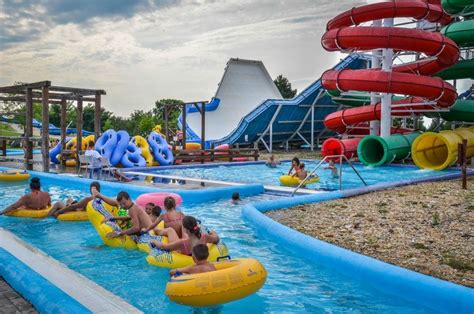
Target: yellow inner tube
x: 173, y: 259
x: 232, y: 280
x: 14, y: 175
x: 79, y: 215
x: 142, y: 143
x: 96, y: 212
x: 295, y: 181
x: 30, y: 213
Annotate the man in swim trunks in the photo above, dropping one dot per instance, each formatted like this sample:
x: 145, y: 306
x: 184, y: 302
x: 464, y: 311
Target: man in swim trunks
x: 37, y: 199
x: 138, y: 216
x: 61, y: 208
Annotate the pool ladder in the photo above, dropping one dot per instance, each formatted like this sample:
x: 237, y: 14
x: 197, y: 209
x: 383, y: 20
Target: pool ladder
x: 341, y: 157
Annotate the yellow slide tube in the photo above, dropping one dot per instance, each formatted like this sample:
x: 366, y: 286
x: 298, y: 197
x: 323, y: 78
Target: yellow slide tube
x: 438, y: 151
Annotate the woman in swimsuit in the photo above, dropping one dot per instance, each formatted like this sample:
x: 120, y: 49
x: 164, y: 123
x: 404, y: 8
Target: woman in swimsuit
x: 172, y: 219
x: 185, y: 246
x: 295, y: 166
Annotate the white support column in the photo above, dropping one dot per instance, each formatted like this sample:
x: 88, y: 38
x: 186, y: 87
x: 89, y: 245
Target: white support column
x: 271, y: 137
x: 386, y: 119
x: 312, y: 127
x: 376, y: 63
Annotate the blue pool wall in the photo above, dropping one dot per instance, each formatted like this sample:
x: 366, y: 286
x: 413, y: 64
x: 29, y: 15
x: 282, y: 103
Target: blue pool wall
x: 46, y: 297
x: 189, y: 196
x: 434, y: 293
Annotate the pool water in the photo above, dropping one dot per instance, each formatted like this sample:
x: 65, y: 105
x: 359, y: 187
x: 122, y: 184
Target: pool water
x: 20, y: 152
x: 293, y: 285
x: 259, y: 173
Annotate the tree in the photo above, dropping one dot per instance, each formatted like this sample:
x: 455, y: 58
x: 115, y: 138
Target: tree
x: 284, y: 86
x: 174, y: 111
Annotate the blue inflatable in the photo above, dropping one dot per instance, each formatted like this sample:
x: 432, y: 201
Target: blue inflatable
x: 122, y: 143
x: 160, y: 149
x: 132, y: 157
x: 53, y: 153
x: 106, y: 144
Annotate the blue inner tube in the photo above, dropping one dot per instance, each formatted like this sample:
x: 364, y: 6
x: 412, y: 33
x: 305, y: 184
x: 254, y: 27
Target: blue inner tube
x: 161, y: 152
x: 122, y: 143
x: 132, y: 157
x: 105, y: 145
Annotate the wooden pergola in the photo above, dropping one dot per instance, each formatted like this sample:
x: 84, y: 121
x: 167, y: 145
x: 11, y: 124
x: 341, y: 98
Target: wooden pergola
x: 200, y: 109
x: 46, y: 94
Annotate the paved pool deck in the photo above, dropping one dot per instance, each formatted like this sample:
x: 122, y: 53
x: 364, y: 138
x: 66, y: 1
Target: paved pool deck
x: 12, y: 302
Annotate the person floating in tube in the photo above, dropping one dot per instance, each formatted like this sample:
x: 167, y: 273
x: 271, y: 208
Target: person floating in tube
x: 295, y: 165
x: 138, y: 217
x: 186, y: 245
x: 200, y: 255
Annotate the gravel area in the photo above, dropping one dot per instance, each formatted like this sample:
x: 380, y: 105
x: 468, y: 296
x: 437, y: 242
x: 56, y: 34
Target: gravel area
x: 428, y: 227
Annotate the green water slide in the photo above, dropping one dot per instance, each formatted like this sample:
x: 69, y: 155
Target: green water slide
x: 459, y: 7
x: 376, y: 151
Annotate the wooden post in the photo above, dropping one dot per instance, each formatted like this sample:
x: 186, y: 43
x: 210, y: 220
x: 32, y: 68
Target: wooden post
x: 203, y: 125
x: 63, y: 125
x: 462, y: 152
x: 97, y: 117
x: 45, y: 128
x: 29, y: 129
x: 166, y: 116
x: 4, y: 148
x: 79, y: 128
x: 184, y: 126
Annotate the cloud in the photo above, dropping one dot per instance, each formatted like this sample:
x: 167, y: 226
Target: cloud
x: 161, y: 50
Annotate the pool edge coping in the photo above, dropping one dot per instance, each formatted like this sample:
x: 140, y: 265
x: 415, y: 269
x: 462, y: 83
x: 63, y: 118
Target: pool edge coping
x: 84, y: 291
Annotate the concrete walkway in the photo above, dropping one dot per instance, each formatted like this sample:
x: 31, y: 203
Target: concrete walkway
x: 12, y: 302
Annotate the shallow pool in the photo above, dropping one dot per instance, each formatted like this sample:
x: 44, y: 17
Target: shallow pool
x: 293, y: 285
x: 259, y: 173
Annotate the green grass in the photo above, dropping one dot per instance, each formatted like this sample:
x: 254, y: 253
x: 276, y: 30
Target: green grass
x: 6, y: 130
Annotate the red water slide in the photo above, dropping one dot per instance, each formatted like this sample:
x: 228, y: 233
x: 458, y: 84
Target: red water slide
x: 406, y: 79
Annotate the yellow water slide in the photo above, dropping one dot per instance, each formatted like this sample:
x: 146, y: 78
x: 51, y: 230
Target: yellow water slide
x: 437, y: 151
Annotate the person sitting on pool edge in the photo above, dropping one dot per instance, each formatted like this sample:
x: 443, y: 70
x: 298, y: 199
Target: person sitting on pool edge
x: 272, y: 162
x: 138, y: 216
x: 172, y: 218
x: 235, y: 198
x: 35, y: 200
x: 200, y: 255
x: 186, y: 245
x: 295, y: 165
x: 333, y: 169
x: 61, y: 208
x: 95, y: 158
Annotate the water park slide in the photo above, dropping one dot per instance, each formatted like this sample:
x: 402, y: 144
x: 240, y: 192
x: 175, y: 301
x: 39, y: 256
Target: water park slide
x: 376, y: 150
x: 244, y: 84
x: 440, y: 150
x: 287, y: 115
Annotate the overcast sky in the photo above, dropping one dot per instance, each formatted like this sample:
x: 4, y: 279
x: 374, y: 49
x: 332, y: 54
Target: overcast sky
x: 141, y: 51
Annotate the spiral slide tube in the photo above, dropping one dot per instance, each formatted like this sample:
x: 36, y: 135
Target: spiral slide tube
x: 407, y: 79
x: 376, y: 151
x: 346, y: 147
x: 436, y: 151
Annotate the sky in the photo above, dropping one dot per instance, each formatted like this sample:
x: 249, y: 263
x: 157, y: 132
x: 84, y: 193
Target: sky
x: 140, y: 51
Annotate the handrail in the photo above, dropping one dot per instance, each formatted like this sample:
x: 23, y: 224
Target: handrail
x: 340, y: 171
